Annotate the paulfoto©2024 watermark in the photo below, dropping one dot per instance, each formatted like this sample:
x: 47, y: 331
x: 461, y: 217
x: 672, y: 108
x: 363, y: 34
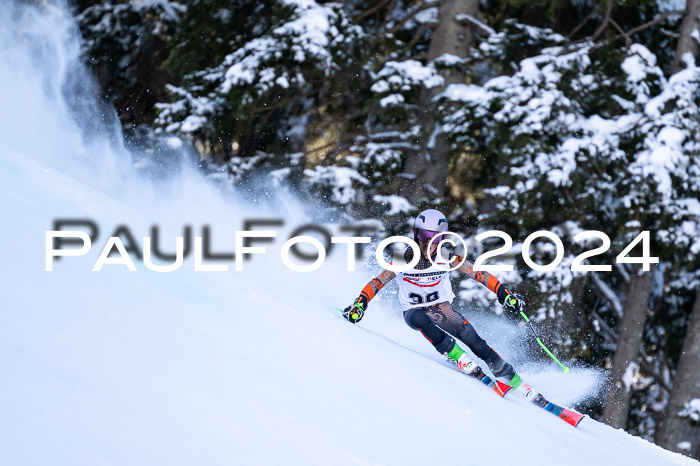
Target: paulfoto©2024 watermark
x: 115, y: 252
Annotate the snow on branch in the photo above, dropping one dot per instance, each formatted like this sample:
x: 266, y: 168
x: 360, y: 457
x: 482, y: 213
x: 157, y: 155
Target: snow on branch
x: 691, y: 411
x: 472, y: 21
x: 608, y: 294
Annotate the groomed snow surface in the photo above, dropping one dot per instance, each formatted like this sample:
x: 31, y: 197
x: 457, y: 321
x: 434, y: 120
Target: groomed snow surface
x: 252, y: 367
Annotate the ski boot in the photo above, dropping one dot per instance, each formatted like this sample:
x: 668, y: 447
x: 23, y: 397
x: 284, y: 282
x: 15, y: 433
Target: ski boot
x: 464, y: 363
x: 522, y: 389
x: 460, y: 357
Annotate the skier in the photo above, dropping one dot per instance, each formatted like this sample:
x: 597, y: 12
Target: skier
x: 425, y: 293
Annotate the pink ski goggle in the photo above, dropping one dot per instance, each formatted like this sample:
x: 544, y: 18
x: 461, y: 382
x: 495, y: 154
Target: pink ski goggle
x: 427, y: 235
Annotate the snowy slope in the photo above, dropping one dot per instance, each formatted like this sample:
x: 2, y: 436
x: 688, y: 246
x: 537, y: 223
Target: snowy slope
x: 253, y: 367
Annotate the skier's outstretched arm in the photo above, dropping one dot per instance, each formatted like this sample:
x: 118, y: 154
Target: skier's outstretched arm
x: 355, y: 312
x: 509, y: 300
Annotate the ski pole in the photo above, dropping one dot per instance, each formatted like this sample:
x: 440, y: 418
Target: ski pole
x: 566, y: 369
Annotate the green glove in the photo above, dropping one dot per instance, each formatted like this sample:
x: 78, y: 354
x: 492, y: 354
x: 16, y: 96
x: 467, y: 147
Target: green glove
x: 355, y: 312
x: 514, y: 302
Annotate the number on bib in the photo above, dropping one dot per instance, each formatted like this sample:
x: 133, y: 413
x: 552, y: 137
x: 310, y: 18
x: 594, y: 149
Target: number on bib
x: 420, y: 299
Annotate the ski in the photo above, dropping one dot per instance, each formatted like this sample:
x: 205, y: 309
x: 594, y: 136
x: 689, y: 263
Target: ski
x: 486, y: 380
x: 567, y: 415
x: 570, y: 417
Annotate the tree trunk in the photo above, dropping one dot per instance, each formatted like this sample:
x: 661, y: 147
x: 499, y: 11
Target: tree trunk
x: 686, y: 42
x: 625, y: 362
x: 686, y: 386
x: 425, y: 174
x: 571, y: 313
x: 568, y: 325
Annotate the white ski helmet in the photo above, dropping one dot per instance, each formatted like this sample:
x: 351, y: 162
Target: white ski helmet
x: 428, y: 224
